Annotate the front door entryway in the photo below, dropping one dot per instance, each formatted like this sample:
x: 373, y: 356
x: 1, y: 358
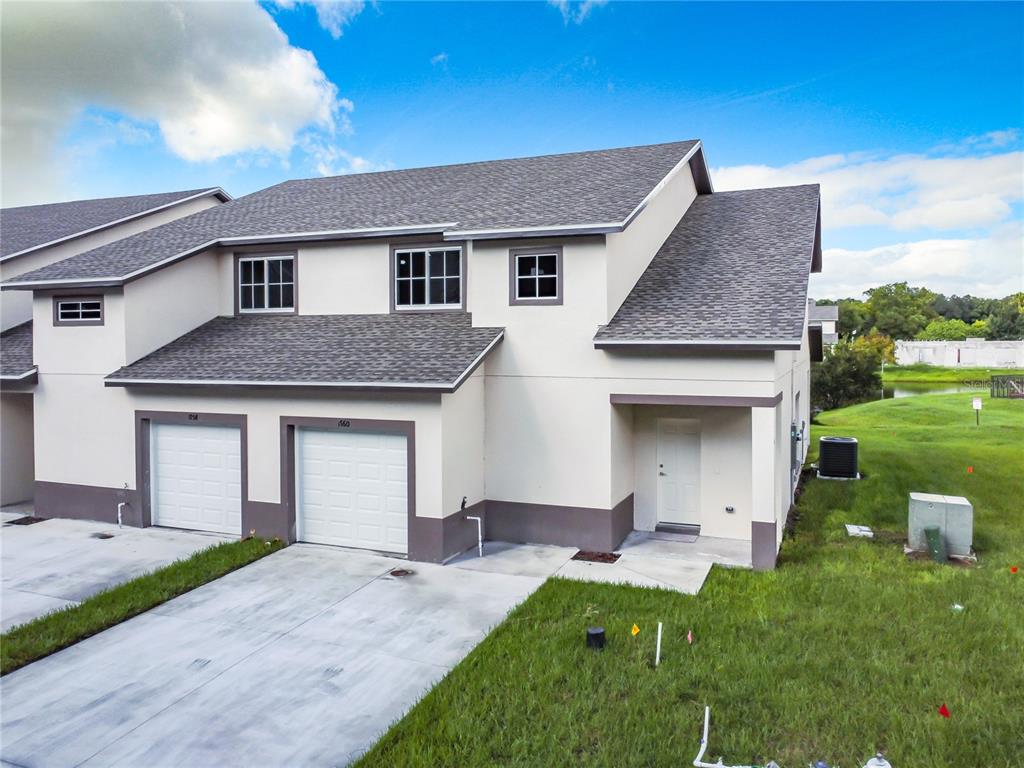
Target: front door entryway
x: 678, y: 458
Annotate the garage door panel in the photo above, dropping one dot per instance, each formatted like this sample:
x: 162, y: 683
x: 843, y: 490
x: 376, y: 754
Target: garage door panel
x: 351, y: 489
x: 196, y: 477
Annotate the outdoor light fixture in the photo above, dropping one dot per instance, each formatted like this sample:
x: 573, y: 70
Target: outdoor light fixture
x: 595, y: 638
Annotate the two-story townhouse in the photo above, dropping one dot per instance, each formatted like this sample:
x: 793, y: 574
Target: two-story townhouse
x: 367, y: 360
x: 35, y: 236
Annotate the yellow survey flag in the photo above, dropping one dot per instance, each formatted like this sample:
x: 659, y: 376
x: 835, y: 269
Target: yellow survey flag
x: 636, y: 630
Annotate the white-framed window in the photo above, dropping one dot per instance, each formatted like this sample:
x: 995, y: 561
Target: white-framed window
x: 266, y: 283
x: 80, y: 310
x: 428, y: 277
x: 536, y: 276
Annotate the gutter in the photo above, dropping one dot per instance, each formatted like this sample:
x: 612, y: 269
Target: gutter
x: 28, y: 378
x: 744, y: 345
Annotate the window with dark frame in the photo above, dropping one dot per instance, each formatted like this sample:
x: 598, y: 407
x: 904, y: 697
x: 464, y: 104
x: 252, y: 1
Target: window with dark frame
x: 428, y: 277
x: 89, y: 310
x: 266, y: 284
x: 536, y: 276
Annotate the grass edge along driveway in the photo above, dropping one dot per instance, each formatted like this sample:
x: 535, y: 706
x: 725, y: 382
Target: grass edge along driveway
x: 55, y: 631
x: 847, y: 648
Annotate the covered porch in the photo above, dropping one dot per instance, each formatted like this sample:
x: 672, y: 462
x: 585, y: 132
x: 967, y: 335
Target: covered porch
x: 707, y: 474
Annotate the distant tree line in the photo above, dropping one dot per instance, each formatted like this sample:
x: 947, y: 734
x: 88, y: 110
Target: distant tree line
x: 850, y: 372
x: 900, y: 311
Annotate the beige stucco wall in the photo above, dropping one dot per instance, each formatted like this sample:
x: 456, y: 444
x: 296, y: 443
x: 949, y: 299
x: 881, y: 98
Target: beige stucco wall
x: 463, y: 445
x: 16, y: 306
x: 631, y: 251
x: 16, y: 452
x: 79, y: 349
x: 178, y: 299
x: 725, y: 455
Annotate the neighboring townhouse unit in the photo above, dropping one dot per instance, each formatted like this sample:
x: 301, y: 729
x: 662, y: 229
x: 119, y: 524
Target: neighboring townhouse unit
x: 366, y: 360
x: 822, y: 320
x: 35, y: 236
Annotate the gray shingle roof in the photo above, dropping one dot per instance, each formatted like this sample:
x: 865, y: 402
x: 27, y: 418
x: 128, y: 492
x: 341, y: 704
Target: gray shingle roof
x: 582, y: 188
x: 370, y: 351
x: 819, y: 312
x: 33, y: 225
x: 751, y: 251
x: 16, y: 351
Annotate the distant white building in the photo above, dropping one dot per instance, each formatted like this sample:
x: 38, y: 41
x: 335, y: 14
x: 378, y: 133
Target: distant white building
x: 969, y: 353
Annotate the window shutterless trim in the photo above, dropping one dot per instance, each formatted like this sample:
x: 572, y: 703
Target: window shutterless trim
x: 513, y: 276
x: 240, y: 256
x: 97, y: 298
x: 393, y: 278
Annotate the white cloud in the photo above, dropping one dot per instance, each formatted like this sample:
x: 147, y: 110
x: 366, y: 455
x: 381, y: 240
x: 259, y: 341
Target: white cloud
x: 440, y: 58
x: 333, y: 15
x: 991, y: 266
x: 576, y: 12
x: 215, y: 79
x: 905, y: 192
x: 328, y: 159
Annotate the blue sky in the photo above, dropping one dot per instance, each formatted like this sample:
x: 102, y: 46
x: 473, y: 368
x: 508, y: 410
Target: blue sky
x: 924, y: 98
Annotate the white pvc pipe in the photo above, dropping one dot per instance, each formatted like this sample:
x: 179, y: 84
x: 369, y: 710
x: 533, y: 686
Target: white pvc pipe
x: 479, y: 534
x: 120, y: 506
x: 657, y: 652
x: 698, y: 761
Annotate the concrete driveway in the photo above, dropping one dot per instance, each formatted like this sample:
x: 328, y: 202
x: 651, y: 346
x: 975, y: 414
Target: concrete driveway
x: 303, y: 658
x: 54, y: 563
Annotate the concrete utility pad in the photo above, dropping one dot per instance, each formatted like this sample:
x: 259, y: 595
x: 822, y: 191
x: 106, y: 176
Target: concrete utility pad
x: 55, y: 563
x: 302, y: 658
x: 517, y: 559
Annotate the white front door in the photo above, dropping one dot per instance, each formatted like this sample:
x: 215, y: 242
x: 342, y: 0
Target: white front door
x: 678, y: 472
x: 196, y: 477
x: 352, y: 489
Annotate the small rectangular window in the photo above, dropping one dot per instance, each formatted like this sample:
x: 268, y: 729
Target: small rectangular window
x: 536, y: 276
x: 80, y: 310
x: 266, y: 284
x: 428, y: 277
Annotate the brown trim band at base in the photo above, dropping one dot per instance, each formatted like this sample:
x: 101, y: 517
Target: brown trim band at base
x: 764, y: 545
x: 599, y: 530
x: 87, y: 502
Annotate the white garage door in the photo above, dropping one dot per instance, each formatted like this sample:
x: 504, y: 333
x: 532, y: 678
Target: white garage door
x: 196, y: 477
x: 352, y: 489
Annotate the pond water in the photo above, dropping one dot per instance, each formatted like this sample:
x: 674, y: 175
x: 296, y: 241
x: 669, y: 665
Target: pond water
x: 913, y: 388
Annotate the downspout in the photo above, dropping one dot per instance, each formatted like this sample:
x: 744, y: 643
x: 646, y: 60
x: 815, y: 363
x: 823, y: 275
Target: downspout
x: 479, y: 529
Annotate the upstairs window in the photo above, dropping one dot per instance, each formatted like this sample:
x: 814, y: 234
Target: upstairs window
x: 428, y: 278
x: 81, y: 310
x: 535, y: 276
x: 266, y: 284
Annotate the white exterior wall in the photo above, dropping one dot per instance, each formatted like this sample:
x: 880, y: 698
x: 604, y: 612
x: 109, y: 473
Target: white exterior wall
x: 16, y: 306
x: 182, y: 298
x: 969, y: 353
x: 463, y: 445
x: 631, y: 251
x: 15, y: 447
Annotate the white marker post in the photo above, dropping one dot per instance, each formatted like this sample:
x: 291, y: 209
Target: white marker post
x: 657, y: 651
x: 976, y: 404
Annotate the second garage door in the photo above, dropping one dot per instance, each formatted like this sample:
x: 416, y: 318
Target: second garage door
x: 352, y: 489
x: 196, y: 477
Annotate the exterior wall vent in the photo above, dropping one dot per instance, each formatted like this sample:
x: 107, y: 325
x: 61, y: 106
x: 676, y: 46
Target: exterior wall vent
x: 837, y: 458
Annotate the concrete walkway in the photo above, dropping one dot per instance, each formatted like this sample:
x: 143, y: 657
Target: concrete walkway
x: 302, y: 658
x: 54, y: 563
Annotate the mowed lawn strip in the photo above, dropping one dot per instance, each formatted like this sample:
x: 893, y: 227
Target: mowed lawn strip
x: 50, y: 633
x: 894, y: 374
x: 847, y: 648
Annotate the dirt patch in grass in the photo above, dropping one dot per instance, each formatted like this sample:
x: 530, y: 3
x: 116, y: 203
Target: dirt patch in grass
x: 596, y: 557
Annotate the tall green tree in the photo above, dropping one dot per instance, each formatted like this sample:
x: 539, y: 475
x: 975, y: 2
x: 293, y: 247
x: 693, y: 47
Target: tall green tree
x: 899, y: 311
x: 854, y: 318
x: 1007, y: 318
x: 849, y: 374
x: 941, y: 329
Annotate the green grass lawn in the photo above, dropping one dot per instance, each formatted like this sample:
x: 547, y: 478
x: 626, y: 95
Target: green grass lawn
x: 847, y: 648
x: 934, y: 374
x: 50, y: 633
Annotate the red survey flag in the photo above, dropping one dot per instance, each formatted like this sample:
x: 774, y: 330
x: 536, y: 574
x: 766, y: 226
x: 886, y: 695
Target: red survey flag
x: 944, y: 711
